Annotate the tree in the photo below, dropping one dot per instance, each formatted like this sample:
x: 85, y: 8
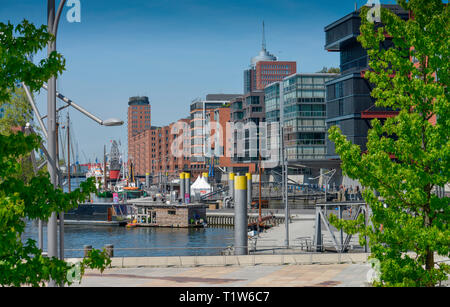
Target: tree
x: 23, y: 263
x: 17, y: 113
x: 407, y: 156
x: 331, y: 70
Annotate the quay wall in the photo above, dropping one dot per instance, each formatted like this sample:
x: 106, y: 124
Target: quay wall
x: 235, y: 260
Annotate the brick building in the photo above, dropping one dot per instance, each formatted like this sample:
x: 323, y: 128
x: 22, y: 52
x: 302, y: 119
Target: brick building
x: 151, y: 151
x: 139, y: 120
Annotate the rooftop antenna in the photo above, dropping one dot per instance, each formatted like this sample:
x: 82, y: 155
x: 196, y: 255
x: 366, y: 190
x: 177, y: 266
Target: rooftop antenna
x: 356, y: 6
x: 264, y: 38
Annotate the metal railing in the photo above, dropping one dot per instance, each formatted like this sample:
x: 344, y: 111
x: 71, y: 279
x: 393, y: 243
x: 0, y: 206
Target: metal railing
x: 298, y: 248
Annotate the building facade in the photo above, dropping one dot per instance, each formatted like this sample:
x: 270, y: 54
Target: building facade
x: 304, y: 116
x: 153, y: 152
x: 265, y: 69
x: 208, y: 142
x: 250, y: 109
x: 247, y: 112
x: 139, y: 120
x: 349, y: 104
x: 267, y: 72
x: 298, y: 104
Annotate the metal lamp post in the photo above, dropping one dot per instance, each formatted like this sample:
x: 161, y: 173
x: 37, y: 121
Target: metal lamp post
x: 53, y: 21
x: 53, y: 18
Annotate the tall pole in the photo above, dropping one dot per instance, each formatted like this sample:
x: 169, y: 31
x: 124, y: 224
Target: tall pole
x: 284, y: 167
x: 60, y: 179
x: 260, y: 196
x: 104, y: 167
x: 52, y: 245
x: 182, y: 187
x: 249, y: 190
x: 68, y: 152
x: 286, y: 196
x: 240, y: 215
x: 187, y: 188
x: 231, y: 185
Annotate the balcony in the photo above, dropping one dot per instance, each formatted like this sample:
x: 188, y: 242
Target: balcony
x: 342, y: 32
x: 306, y: 114
x: 304, y: 142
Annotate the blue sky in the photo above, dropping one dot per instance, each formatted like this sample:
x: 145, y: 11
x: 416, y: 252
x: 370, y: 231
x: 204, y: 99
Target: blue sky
x: 172, y: 52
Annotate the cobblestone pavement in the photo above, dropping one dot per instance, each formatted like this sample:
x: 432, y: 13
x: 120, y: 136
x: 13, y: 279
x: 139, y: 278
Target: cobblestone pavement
x: 332, y: 275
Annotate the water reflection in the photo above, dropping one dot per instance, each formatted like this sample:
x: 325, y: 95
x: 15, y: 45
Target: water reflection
x: 141, y: 241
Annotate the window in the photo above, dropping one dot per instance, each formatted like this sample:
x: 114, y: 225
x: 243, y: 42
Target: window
x: 339, y: 92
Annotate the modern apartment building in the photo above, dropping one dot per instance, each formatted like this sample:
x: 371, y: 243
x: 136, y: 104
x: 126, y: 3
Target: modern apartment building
x: 298, y: 104
x: 304, y: 116
x: 349, y: 104
x: 247, y: 110
x: 250, y: 109
x: 204, y: 115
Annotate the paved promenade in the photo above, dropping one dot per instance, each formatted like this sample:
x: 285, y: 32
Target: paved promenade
x: 264, y: 270
x: 316, y: 275
x: 284, y: 269
x: 301, y: 226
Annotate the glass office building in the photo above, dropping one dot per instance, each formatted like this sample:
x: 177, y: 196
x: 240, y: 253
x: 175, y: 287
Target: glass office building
x: 303, y: 114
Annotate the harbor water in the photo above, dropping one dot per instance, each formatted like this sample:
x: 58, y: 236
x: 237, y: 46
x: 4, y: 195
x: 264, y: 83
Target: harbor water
x: 141, y: 241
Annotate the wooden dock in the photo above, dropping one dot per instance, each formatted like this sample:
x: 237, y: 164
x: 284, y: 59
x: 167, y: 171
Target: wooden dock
x: 227, y: 219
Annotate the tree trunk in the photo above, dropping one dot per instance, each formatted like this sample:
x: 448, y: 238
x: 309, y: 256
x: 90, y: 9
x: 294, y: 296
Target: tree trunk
x: 429, y: 254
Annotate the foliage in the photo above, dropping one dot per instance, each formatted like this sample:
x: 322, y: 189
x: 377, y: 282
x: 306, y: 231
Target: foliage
x: 15, y: 63
x: 105, y: 194
x: 17, y: 111
x: 331, y: 70
x: 407, y: 156
x: 22, y: 262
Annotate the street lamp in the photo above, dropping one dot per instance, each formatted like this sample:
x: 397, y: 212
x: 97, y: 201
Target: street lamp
x: 50, y: 133
x: 109, y: 122
x: 112, y: 122
x: 53, y: 21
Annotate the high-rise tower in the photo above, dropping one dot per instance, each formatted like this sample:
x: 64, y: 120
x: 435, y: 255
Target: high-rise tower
x: 265, y: 69
x: 139, y: 119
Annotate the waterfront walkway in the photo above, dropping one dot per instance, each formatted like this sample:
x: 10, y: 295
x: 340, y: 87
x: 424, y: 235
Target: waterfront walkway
x: 316, y: 275
x: 301, y: 231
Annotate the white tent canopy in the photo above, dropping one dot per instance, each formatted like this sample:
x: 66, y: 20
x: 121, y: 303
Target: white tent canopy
x: 200, y: 186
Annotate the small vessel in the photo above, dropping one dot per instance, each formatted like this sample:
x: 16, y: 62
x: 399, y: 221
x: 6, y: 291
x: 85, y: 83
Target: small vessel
x: 131, y: 188
x: 132, y: 224
x: 96, y: 172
